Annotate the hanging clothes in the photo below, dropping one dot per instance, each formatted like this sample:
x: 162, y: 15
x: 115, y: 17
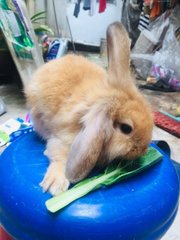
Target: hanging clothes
x: 156, y: 9
x: 77, y: 8
x: 102, y: 6
x: 144, y: 17
x: 143, y: 22
x: 92, y: 7
x: 87, y: 5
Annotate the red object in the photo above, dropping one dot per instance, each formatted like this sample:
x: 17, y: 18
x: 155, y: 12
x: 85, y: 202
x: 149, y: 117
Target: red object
x: 102, y: 6
x: 156, y: 9
x: 166, y: 123
x: 4, y: 235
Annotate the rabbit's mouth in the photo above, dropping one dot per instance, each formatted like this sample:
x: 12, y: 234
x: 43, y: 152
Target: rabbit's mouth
x: 136, y: 152
x: 114, y: 152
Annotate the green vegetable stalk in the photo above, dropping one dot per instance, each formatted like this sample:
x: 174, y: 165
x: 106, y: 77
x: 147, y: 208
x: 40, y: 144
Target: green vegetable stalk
x: 111, y: 175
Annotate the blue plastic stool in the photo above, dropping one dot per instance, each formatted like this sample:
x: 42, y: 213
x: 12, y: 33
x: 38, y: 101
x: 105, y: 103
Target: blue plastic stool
x: 142, y: 207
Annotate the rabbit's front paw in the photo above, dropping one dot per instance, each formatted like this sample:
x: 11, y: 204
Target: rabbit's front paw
x: 55, y: 180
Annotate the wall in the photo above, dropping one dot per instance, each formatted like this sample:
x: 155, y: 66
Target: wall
x: 85, y: 29
x: 90, y: 29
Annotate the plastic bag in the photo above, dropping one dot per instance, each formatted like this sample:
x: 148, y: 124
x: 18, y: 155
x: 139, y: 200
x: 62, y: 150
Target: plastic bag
x: 131, y: 11
x: 166, y: 61
x: 168, y: 56
x: 148, y: 42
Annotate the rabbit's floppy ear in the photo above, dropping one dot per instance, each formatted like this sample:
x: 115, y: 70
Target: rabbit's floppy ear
x: 88, y: 144
x: 118, y: 48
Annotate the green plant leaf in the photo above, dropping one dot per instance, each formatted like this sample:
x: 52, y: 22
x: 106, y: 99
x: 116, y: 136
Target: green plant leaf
x: 43, y: 28
x: 111, y: 175
x: 36, y: 20
x: 37, y: 15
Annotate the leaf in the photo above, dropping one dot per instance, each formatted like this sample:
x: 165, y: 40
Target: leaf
x: 43, y: 28
x: 37, y: 15
x: 36, y: 20
x: 111, y: 175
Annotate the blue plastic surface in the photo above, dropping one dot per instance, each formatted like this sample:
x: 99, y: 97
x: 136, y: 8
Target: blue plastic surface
x: 141, y: 207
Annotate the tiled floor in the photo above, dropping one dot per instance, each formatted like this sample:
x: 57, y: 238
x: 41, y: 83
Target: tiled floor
x: 15, y: 103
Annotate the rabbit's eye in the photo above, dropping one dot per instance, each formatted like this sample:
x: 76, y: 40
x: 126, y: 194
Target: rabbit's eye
x: 126, y: 128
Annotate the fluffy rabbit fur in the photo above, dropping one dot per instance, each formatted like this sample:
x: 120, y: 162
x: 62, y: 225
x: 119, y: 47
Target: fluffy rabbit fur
x: 87, y: 115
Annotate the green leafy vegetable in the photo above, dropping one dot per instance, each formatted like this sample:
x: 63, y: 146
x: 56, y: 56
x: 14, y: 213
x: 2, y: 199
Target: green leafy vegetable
x: 112, y: 174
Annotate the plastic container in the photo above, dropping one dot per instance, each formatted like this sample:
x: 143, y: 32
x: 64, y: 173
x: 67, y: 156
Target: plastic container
x: 141, y: 207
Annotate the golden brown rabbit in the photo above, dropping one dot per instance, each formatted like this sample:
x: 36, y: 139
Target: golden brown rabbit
x: 87, y: 115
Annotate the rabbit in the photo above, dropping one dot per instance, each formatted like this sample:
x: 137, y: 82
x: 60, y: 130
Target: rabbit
x: 87, y: 115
